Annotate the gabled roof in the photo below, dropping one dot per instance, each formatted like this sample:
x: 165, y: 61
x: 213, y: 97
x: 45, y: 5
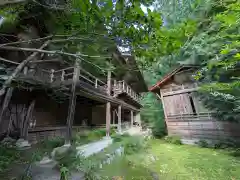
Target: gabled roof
x: 169, y: 75
x: 130, y: 65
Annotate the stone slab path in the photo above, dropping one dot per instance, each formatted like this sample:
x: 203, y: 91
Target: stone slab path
x: 94, y: 147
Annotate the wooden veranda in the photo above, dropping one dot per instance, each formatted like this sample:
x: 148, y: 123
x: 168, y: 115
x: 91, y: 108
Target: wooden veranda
x: 71, y: 81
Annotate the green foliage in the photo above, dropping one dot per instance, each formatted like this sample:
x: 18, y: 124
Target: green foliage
x: 7, y: 157
x: 227, y: 143
x: 203, y: 143
x: 206, y: 34
x: 120, y: 137
x: 173, y: 140
x: 90, y: 136
x: 52, y: 143
x: 236, y: 153
x: 68, y: 158
x: 134, y: 144
x: 64, y: 173
x: 152, y: 115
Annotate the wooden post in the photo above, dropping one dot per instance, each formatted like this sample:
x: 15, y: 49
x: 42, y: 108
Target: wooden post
x: 27, y: 119
x: 114, y: 117
x: 96, y: 83
x: 119, y: 118
x: 72, y: 102
x: 108, y: 105
x: 52, y: 75
x: 25, y: 70
x: 132, y: 118
x: 5, y: 103
x: 62, y: 76
x: 163, y: 104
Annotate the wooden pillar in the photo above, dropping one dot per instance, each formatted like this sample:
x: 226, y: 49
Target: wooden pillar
x: 114, y: 116
x: 164, y: 110
x: 132, y: 118
x: 72, y: 103
x: 108, y: 105
x: 6, y: 101
x: 120, y: 118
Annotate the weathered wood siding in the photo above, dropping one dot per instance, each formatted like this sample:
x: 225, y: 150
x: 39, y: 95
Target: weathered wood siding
x: 187, y: 117
x: 45, y: 133
x: 192, y: 128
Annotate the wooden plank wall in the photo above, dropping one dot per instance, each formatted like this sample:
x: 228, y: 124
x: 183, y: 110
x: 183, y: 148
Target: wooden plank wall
x: 177, y: 104
x: 45, y: 133
x: 194, y: 128
x: 191, y: 120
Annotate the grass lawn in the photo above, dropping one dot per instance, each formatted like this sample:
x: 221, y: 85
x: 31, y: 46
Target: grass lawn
x: 177, y: 162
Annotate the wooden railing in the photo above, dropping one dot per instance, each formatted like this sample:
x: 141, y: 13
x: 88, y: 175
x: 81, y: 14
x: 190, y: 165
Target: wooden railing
x: 122, y: 87
x: 85, y: 76
x: 66, y: 74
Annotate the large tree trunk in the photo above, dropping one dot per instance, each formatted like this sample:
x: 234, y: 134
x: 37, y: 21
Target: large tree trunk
x: 19, y: 69
x: 72, y: 103
x: 5, y: 103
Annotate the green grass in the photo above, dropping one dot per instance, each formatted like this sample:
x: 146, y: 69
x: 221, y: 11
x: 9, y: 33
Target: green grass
x: 122, y: 167
x: 191, y: 162
x: 177, y: 162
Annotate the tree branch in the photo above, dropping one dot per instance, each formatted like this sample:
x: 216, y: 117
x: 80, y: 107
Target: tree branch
x: 7, y: 2
x: 11, y: 48
x: 18, y: 69
x: 28, y: 41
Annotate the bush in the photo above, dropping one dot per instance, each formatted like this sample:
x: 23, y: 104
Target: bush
x: 203, y: 143
x: 173, y: 139
x: 7, y: 156
x: 68, y: 158
x: 236, y: 152
x: 134, y: 144
x: 53, y: 143
x: 120, y: 137
x: 228, y: 143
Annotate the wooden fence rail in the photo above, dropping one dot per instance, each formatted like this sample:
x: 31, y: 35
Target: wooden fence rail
x: 122, y: 87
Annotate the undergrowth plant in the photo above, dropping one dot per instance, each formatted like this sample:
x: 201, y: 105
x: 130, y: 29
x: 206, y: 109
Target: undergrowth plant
x: 8, y: 156
x: 173, y: 140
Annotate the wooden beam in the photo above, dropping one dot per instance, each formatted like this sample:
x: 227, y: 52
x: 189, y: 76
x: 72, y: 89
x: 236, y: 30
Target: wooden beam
x: 119, y: 118
x: 179, y: 92
x: 163, y: 104
x: 108, y: 105
x: 72, y: 102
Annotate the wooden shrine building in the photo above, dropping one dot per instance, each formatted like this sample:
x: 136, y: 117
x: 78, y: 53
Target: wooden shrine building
x: 184, y: 113
x: 48, y: 97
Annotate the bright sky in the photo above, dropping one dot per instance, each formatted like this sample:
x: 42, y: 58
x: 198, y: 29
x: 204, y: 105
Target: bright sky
x: 144, y: 8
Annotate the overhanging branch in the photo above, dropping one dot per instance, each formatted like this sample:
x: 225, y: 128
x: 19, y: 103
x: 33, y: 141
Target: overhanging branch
x: 7, y: 2
x: 12, y: 48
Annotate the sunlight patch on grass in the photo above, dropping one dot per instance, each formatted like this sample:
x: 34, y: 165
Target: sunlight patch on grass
x: 189, y: 162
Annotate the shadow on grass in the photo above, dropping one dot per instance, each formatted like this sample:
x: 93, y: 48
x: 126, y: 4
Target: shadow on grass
x: 235, y: 153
